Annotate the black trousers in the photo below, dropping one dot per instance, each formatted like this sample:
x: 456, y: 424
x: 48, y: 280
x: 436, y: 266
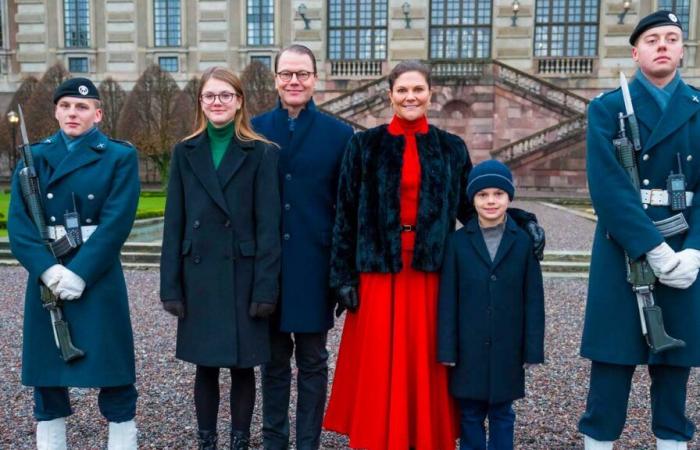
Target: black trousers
x: 312, y: 384
x: 116, y: 404
x: 606, y: 408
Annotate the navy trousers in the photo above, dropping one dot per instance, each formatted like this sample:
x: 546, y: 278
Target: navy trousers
x: 608, y: 394
x: 472, y: 415
x: 312, y: 384
x: 117, y: 404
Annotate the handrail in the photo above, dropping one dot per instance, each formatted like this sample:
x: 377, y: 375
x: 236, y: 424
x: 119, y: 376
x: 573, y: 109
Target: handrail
x: 355, y: 126
x: 512, y: 152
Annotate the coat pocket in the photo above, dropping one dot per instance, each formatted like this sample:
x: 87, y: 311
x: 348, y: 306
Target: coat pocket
x: 247, y: 248
x: 186, y: 247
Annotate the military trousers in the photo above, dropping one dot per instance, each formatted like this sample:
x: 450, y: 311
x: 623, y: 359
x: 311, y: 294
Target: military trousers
x: 116, y: 404
x: 608, y: 394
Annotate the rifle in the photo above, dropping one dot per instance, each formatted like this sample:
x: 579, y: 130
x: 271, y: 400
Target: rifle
x: 29, y: 183
x: 639, y: 272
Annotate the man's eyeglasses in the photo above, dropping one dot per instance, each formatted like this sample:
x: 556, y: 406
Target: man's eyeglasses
x: 224, y: 97
x: 302, y: 75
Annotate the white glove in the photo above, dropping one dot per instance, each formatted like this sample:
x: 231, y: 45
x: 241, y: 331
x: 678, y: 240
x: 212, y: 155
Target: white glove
x: 662, y: 259
x: 71, y: 286
x: 52, y: 276
x: 684, y: 275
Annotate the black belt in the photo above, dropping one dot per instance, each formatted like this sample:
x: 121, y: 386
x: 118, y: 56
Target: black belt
x: 408, y: 228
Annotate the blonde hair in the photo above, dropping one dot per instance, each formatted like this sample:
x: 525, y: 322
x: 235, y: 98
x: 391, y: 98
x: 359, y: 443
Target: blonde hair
x: 243, y: 128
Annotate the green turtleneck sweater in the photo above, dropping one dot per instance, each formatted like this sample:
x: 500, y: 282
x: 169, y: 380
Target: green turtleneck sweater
x: 219, y: 139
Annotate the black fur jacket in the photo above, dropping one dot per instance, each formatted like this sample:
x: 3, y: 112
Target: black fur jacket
x: 367, y: 231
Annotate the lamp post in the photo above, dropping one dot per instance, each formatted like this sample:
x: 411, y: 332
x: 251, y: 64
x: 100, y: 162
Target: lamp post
x: 406, y: 10
x: 13, y: 118
x: 302, y: 12
x: 625, y: 8
x: 515, y: 7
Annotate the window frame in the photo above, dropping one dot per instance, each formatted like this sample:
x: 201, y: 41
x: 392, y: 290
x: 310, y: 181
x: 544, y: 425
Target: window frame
x: 164, y: 25
x: 81, y: 11
x: 353, y: 40
x: 460, y: 28
x: 564, y: 28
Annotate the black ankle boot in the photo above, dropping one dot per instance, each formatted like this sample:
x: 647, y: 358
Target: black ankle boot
x: 239, y: 440
x: 207, y: 440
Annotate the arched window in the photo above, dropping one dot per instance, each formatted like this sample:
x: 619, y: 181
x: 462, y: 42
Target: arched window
x: 167, y: 23
x: 357, y: 29
x: 682, y: 9
x: 566, y: 27
x: 460, y: 29
x: 261, y: 22
x: 76, y: 23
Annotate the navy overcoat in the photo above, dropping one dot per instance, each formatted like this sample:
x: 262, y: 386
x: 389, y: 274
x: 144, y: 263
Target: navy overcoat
x: 221, y: 250
x: 490, y: 313
x: 612, y: 331
x: 309, y: 163
x: 103, y: 175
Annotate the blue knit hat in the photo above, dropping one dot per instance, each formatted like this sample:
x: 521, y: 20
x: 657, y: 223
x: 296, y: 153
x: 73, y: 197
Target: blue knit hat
x: 490, y: 174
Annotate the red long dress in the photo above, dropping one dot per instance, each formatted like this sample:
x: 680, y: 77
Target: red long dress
x: 389, y: 391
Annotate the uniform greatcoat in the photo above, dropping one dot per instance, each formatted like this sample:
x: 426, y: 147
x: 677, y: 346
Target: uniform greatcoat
x: 612, y: 331
x: 221, y: 250
x: 103, y: 176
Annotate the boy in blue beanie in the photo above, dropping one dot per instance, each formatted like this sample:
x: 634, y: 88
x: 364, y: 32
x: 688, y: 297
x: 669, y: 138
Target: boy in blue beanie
x: 491, y: 311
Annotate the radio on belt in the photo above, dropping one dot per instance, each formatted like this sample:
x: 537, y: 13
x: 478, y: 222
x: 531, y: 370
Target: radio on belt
x: 675, y: 185
x: 71, y: 219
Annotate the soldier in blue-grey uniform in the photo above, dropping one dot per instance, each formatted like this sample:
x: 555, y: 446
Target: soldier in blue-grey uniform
x: 80, y: 170
x: 668, y: 115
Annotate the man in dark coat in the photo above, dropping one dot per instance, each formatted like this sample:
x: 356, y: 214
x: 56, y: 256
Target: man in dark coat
x: 668, y: 112
x: 79, y: 167
x: 312, y: 145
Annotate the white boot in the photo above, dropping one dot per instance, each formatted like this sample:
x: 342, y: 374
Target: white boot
x: 667, y: 444
x: 591, y: 444
x: 122, y: 436
x: 51, y: 434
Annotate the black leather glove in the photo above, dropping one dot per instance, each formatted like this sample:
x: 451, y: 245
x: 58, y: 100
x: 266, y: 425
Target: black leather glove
x: 536, y: 232
x: 175, y: 307
x: 347, y: 299
x: 261, y: 310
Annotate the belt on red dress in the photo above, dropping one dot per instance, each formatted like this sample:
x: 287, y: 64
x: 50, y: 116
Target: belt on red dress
x: 408, y: 228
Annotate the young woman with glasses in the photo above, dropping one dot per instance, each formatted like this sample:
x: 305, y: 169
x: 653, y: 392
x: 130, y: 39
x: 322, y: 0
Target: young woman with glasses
x: 221, y: 252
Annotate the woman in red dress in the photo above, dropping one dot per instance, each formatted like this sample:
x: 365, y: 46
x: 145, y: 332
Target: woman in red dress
x: 399, y: 194
x: 402, y: 186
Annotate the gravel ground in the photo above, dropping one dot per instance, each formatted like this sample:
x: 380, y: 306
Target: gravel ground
x: 546, y: 418
x: 564, y: 231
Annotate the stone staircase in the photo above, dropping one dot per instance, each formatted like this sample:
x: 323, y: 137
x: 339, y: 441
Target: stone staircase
x: 144, y: 256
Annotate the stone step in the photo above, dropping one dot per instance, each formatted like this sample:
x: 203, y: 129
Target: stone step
x: 567, y: 255
x: 140, y: 257
x: 564, y: 266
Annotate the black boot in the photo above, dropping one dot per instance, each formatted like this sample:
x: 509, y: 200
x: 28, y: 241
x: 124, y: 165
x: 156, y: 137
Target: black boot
x: 207, y: 440
x: 239, y: 440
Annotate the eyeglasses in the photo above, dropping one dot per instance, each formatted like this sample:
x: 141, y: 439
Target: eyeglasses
x: 302, y: 75
x: 224, y: 97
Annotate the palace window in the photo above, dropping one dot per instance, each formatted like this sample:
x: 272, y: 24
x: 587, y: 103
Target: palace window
x: 76, y: 23
x: 167, y: 23
x: 169, y: 63
x: 566, y: 27
x: 460, y: 29
x: 682, y: 9
x: 261, y: 22
x: 78, y: 65
x: 357, y: 29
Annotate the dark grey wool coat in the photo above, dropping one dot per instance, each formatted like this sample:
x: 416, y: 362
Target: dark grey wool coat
x: 221, y: 250
x: 367, y: 231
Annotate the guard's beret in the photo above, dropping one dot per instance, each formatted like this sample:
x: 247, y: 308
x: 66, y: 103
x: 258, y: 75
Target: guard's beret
x: 653, y: 20
x: 76, y: 87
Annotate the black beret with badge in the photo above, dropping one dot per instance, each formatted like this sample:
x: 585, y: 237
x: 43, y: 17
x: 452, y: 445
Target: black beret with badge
x: 653, y: 20
x: 76, y: 87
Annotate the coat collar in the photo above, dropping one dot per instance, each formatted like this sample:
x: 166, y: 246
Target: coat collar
x: 477, y: 240
x: 684, y: 103
x: 291, y: 142
x: 198, y: 154
x: 66, y: 162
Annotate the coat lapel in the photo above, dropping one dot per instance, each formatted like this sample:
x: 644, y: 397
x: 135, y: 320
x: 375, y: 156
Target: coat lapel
x: 302, y: 125
x: 507, y: 242
x: 86, y: 153
x: 233, y: 159
x: 58, y: 151
x: 645, y: 108
x: 684, y: 104
x: 477, y: 240
x: 199, y: 156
